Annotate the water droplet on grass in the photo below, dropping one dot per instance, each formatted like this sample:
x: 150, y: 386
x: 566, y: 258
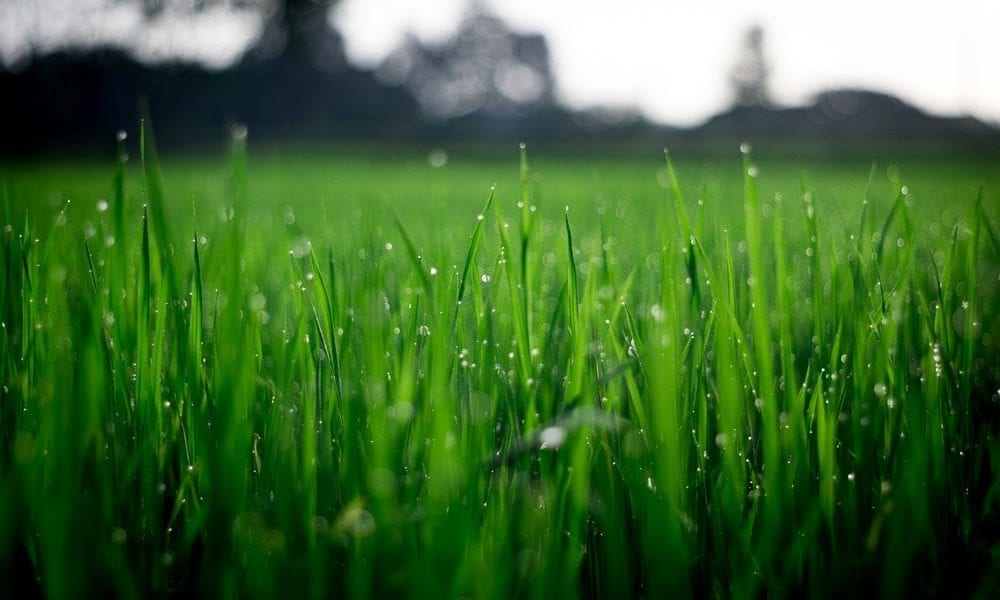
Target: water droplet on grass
x: 437, y: 158
x: 118, y: 536
x: 552, y: 438
x: 239, y: 132
x: 657, y: 312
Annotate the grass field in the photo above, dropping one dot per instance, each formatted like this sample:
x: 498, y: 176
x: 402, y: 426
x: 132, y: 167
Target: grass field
x: 352, y: 373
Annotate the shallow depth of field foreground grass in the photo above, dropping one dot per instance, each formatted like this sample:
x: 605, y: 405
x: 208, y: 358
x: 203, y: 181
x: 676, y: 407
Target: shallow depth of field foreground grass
x: 613, y: 381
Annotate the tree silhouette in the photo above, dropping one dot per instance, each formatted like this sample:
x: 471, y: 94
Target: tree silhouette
x: 299, y: 28
x: 485, y: 68
x: 749, y: 75
x: 294, y: 28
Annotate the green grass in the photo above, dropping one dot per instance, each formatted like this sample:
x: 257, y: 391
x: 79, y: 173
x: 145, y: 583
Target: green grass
x: 349, y: 373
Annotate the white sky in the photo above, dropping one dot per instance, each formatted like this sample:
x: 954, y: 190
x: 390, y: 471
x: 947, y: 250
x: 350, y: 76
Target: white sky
x: 668, y: 58
x: 216, y: 37
x: 671, y: 58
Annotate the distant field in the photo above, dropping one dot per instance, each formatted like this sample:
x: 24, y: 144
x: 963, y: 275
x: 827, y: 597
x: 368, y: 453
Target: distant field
x: 369, y: 178
x: 355, y: 373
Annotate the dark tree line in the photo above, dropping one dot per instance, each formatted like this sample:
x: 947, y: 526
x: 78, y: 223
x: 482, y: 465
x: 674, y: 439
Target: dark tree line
x: 292, y: 83
x: 485, y: 83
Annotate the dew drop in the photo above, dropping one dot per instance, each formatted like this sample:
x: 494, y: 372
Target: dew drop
x: 552, y: 437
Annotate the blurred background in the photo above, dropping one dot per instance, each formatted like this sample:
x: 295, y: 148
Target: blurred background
x: 74, y: 72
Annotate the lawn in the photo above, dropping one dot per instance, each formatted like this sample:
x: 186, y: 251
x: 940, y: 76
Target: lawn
x: 540, y: 374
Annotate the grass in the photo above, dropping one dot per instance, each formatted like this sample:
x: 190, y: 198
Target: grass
x: 353, y: 375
